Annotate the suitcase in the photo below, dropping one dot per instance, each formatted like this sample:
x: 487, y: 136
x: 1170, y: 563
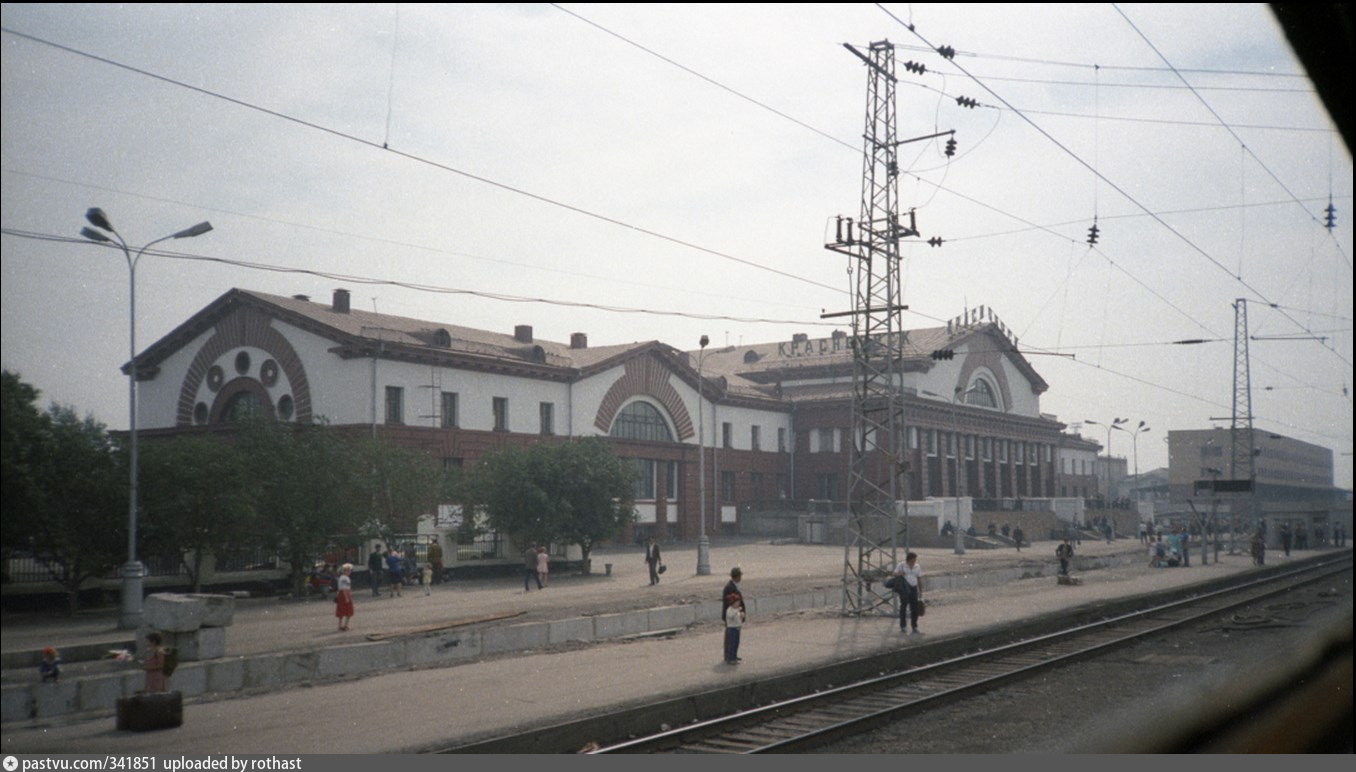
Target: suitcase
x: 145, y: 711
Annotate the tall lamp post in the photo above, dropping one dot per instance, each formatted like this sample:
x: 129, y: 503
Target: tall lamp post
x: 703, y: 544
x: 132, y: 572
x: 956, y: 447
x: 1115, y: 424
x: 1134, y: 437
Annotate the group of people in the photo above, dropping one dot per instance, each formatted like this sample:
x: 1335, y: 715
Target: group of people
x: 536, y: 565
x: 1173, y: 551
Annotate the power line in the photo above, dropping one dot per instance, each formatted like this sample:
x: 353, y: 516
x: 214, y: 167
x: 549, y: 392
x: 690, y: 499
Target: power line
x: 421, y: 160
x: 412, y: 285
x: 1162, y: 86
x: 1109, y: 182
x: 1127, y: 68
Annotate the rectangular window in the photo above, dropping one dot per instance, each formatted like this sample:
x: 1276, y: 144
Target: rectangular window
x: 1002, y: 451
x: 783, y: 485
x: 827, y: 486
x: 970, y: 447
x: 781, y: 439
x: 913, y: 438
x: 756, y: 483
x: 548, y: 418
x: 395, y: 405
x: 754, y: 438
x: 501, y: 416
x: 930, y: 438
x: 949, y: 444
x: 727, y: 485
x: 449, y: 414
x: 987, y: 446
x: 671, y: 480
x: 826, y: 440
x: 727, y: 435
x: 643, y: 482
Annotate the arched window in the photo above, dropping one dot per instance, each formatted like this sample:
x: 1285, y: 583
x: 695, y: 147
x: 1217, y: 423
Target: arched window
x: 641, y: 421
x: 242, y: 405
x: 981, y: 394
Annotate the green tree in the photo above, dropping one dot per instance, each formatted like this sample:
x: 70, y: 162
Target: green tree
x: 402, y: 485
x: 309, y: 489
x: 65, y: 490
x: 198, y: 498
x: 576, y: 492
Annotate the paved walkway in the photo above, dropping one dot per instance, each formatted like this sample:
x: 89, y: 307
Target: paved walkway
x: 417, y: 709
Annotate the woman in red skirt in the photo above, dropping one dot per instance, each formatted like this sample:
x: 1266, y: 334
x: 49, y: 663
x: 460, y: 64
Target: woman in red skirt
x: 343, y: 601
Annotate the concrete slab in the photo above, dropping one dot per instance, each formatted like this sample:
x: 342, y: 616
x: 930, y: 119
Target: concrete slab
x: 709, y: 611
x: 100, y: 692
x: 300, y: 666
x: 200, y: 644
x: 446, y: 647
x: 266, y: 670
x: 616, y: 625
x: 672, y: 616
x: 56, y: 699
x: 514, y: 638
x: 191, y: 680
x: 565, y: 630
x: 219, y: 610
x: 174, y: 613
x: 17, y: 703
x: 225, y: 675
x: 360, y: 658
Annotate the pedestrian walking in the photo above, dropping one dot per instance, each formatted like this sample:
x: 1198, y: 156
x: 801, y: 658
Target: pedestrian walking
x: 653, y: 560
x: 375, y: 568
x: 343, y: 600
x: 1065, y: 553
x: 910, y: 588
x: 543, y: 568
x: 734, y: 614
x: 395, y: 571
x: 530, y: 568
x: 435, y: 556
x: 1017, y: 537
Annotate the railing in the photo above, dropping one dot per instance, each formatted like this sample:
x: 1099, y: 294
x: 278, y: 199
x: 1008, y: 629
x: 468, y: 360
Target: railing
x: 257, y: 559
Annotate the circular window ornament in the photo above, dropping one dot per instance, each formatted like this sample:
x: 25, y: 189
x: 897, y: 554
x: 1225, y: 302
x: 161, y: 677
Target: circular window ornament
x: 285, y: 407
x: 268, y: 373
x: 200, y: 413
x: 242, y: 362
x: 215, y: 377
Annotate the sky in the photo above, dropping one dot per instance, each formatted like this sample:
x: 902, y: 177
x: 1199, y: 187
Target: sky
x: 682, y: 166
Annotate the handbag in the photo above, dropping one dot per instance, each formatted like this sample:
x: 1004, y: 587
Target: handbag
x: 893, y: 582
x: 922, y: 607
x: 662, y: 568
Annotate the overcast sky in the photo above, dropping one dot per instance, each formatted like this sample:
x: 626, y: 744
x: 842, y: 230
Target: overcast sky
x: 537, y: 99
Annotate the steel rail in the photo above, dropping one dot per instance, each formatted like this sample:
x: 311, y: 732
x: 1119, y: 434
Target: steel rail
x: 812, y: 719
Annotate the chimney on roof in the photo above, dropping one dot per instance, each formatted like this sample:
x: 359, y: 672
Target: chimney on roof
x: 523, y: 333
x: 800, y: 337
x: 839, y: 334
x: 579, y: 340
x: 303, y: 298
x: 340, y: 301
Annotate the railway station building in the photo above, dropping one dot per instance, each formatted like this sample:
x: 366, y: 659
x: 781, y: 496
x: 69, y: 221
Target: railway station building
x: 777, y: 416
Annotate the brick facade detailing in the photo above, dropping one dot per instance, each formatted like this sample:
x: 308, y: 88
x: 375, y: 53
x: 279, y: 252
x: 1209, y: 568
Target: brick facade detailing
x: 648, y: 377
x: 993, y: 360
x: 245, y: 327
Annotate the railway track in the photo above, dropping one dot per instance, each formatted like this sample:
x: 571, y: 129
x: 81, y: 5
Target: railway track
x: 803, y: 722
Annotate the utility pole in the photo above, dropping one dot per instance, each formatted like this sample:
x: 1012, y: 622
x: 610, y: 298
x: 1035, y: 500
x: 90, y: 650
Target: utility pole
x: 1242, y: 455
x: 876, y: 527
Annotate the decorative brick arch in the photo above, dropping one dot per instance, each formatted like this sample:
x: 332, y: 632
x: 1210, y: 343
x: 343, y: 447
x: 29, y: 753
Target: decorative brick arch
x: 647, y: 377
x: 245, y: 327
x: 993, y: 362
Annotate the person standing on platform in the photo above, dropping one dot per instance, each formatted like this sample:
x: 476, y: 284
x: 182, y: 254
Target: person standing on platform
x: 1065, y: 553
x: 1285, y: 538
x: 375, y: 567
x: 530, y: 568
x: 652, y: 559
x: 343, y: 601
x: 1143, y: 533
x: 1017, y: 537
x: 435, y: 556
x: 543, y: 568
x: 395, y: 568
x: 733, y: 613
x: 910, y: 591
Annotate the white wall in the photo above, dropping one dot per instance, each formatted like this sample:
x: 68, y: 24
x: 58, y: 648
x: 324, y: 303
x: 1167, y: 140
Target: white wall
x: 158, y: 398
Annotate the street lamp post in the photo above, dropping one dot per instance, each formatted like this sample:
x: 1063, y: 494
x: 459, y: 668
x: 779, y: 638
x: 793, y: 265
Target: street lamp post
x: 132, y: 571
x: 703, y: 544
x: 1115, y: 424
x: 1134, y: 437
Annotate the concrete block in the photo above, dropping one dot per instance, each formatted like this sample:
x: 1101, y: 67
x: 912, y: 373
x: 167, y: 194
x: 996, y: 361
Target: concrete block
x: 132, y: 681
x: 808, y: 600
x: 576, y: 629
x: 513, y: 638
x: 174, y: 613
x: 772, y: 604
x: 57, y: 699
x: 709, y: 611
x: 300, y: 666
x: 200, y: 644
x: 617, y: 625
x: 361, y: 658
x: 190, y: 680
x: 672, y: 616
x: 99, y: 692
x: 219, y: 610
x: 17, y: 702
x: 225, y: 675
x: 431, y: 649
x: 264, y: 671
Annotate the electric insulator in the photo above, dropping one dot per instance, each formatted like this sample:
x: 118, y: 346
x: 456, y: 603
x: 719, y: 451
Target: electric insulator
x: 1331, y: 220
x: 1092, y: 234
x: 892, y: 168
x: 965, y: 101
x: 950, y: 147
x: 947, y: 52
x: 912, y: 66
x: 935, y: 241
x: 943, y: 353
